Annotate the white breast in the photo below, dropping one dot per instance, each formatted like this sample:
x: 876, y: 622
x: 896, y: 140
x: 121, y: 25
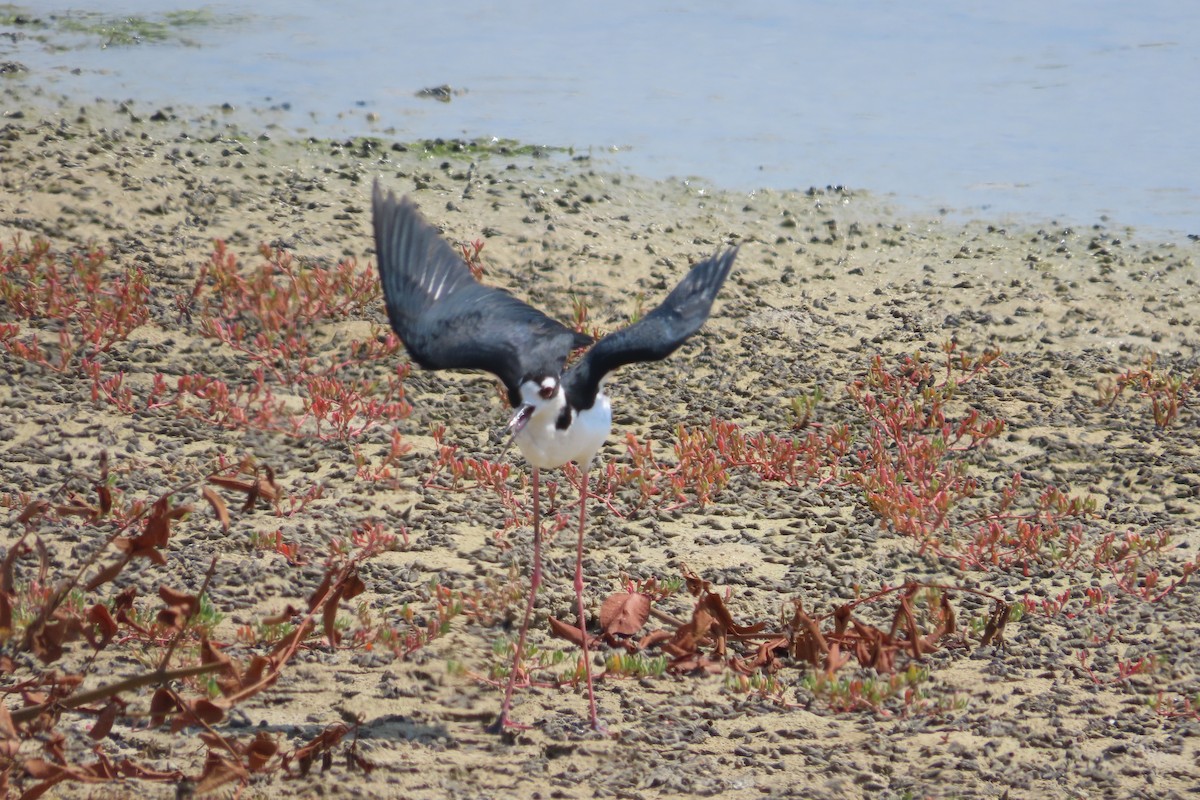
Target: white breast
x: 546, y: 446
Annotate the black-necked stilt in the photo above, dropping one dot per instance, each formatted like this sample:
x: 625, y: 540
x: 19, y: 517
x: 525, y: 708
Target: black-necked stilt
x: 448, y: 320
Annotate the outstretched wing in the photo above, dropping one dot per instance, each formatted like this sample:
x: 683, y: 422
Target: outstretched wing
x: 447, y: 319
x: 656, y: 335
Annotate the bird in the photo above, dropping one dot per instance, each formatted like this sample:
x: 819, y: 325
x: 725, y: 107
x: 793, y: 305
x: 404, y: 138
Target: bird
x: 446, y: 319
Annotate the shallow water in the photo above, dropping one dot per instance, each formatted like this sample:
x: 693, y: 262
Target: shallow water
x: 1071, y: 110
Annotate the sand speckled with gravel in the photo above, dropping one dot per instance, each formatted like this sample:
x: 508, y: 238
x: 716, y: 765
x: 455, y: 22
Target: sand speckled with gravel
x: 824, y: 281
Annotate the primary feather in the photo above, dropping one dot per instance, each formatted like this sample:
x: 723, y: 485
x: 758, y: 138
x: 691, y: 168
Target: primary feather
x: 447, y: 319
x: 656, y: 335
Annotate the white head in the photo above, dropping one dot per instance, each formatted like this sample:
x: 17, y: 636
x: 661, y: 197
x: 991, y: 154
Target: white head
x: 538, y: 399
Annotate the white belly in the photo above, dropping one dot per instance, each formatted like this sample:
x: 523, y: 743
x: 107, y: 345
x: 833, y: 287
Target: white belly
x: 546, y: 446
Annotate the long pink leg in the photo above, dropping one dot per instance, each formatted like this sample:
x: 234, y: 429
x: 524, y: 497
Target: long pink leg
x: 535, y: 581
x: 583, y: 636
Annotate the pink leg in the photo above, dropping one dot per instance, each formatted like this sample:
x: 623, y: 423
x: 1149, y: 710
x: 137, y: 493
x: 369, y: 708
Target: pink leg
x: 535, y: 581
x: 583, y: 636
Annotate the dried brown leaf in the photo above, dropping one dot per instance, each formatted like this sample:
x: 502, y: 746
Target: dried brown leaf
x: 219, y: 771
x: 254, y: 489
x: 318, y: 595
x: 259, y: 665
x: 353, y: 586
x: 218, y: 506
x: 875, y: 648
x: 6, y: 611
x: 329, y: 617
x: 835, y: 660
x: 624, y: 613
x: 157, y: 532
x: 35, y: 509
x: 40, y: 769
x: 100, y: 616
x: 104, y: 722
x: 42, y: 788
x: 190, y: 603
x: 161, y: 704
x: 808, y: 643
x: 995, y: 625
x: 948, y: 623
x: 260, y: 751
x: 179, y: 512
x: 716, y: 606
x: 198, y: 711
x: 654, y: 637
x: 172, y: 618
x: 696, y: 585
x: 123, y: 602
x: 354, y: 760
x: 841, y: 618
x: 271, y: 490
x: 323, y: 741
x: 764, y: 656
x: 211, y: 654
x: 105, y: 495
x: 690, y: 635
x: 43, y: 560
x: 231, y: 482
x: 77, y: 510
x: 563, y: 630
x: 47, y: 639
x: 287, y: 615
x: 905, y: 617
x: 10, y: 742
x: 152, y: 553
x: 943, y: 628
x: 8, y: 569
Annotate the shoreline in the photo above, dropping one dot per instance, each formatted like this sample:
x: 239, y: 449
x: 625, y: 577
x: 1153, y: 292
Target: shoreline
x: 276, y: 121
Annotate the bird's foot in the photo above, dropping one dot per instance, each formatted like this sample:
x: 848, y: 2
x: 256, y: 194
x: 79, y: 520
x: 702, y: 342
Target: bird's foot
x: 504, y: 725
x: 599, y: 727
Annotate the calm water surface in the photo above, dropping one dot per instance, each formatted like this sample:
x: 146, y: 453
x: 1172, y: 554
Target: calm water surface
x: 1066, y: 110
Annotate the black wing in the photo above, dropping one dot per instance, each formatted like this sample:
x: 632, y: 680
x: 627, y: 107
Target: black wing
x: 656, y: 335
x: 447, y: 319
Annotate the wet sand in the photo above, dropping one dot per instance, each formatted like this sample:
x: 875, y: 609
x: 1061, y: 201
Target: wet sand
x: 825, y: 281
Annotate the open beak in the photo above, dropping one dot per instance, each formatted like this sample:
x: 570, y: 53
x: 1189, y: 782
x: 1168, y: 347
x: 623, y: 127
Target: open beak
x: 520, y: 419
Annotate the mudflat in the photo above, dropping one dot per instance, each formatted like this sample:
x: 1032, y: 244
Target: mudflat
x: 837, y: 305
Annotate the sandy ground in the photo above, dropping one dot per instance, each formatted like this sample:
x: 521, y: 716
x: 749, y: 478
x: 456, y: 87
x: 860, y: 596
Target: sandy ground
x: 825, y: 281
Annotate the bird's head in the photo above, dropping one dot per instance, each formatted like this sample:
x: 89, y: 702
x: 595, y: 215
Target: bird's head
x: 538, y: 396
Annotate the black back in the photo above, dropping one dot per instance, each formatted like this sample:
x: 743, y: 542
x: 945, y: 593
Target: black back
x: 656, y: 335
x: 448, y: 320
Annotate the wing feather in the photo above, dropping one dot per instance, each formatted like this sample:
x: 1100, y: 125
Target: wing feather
x: 447, y: 319
x: 656, y: 335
